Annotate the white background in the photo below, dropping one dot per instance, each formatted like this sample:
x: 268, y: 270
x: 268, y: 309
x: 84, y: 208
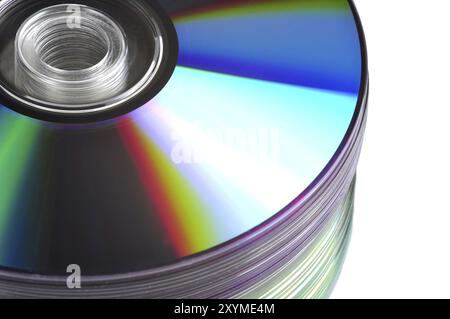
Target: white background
x: 401, y: 236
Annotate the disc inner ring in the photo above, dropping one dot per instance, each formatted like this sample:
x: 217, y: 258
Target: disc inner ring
x: 84, y: 62
x: 73, y: 57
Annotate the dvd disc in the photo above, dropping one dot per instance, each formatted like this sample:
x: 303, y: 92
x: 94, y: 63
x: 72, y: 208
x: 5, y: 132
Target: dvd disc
x: 179, y: 149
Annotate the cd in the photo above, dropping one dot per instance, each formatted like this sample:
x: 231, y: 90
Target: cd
x: 178, y: 149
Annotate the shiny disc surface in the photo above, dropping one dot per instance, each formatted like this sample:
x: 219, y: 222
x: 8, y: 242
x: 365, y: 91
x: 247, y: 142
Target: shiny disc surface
x: 262, y: 97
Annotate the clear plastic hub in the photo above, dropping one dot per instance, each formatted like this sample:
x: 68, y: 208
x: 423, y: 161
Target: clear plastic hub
x: 73, y: 58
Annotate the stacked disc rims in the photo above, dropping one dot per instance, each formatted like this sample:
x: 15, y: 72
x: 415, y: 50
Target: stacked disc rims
x: 178, y: 149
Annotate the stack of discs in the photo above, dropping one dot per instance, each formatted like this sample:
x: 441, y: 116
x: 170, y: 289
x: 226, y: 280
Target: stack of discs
x: 178, y: 149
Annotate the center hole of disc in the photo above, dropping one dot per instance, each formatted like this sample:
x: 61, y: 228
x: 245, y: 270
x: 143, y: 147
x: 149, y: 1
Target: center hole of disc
x: 72, y: 48
x: 86, y: 62
x: 72, y: 56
